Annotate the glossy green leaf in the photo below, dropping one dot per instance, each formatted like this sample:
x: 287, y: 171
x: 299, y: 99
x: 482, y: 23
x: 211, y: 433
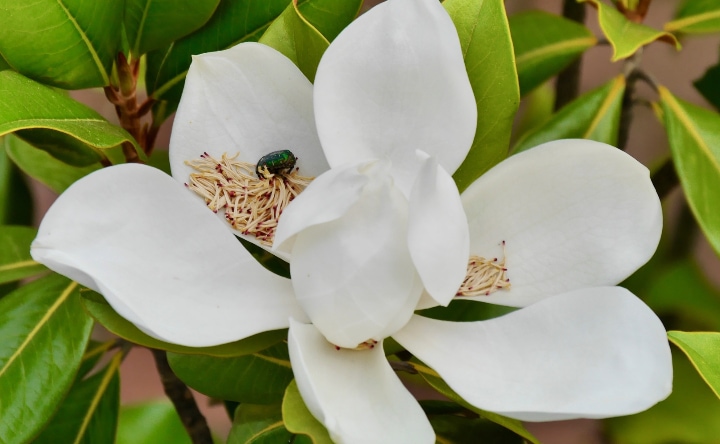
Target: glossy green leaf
x: 460, y: 310
x: 539, y: 107
x: 70, y: 43
x: 487, y: 48
x: 43, y: 333
x: 298, y: 418
x: 151, y: 423
x: 258, y: 378
x: 709, y: 85
x: 16, y: 202
x: 625, y: 36
x: 40, y: 165
x: 329, y: 17
x: 15, y: 260
x: 595, y: 115
x: 684, y: 293
x: 3, y: 63
x: 89, y: 413
x: 27, y: 105
x: 104, y: 314
x: 544, y: 45
x: 153, y: 24
x: 461, y: 430
x: 258, y: 424
x: 438, y: 384
x: 703, y: 350
x: 695, y: 146
x: 696, y: 17
x: 688, y: 415
x: 93, y: 353
x: 297, y: 39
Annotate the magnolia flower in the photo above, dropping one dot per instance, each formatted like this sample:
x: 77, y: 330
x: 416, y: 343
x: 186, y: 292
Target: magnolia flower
x: 380, y: 232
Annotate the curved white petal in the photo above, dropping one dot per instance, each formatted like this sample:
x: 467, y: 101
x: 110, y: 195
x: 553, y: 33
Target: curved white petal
x: 438, y: 232
x: 591, y: 353
x: 354, y: 394
x: 573, y: 213
x: 248, y: 99
x: 393, y: 82
x: 353, y: 276
x: 327, y: 198
x: 163, y: 262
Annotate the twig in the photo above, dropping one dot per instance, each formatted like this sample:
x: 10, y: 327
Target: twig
x: 632, y: 75
x: 665, y: 179
x: 568, y: 81
x: 183, y: 400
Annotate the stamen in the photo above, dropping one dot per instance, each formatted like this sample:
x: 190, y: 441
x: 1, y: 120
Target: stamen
x: 484, y: 276
x: 252, y: 204
x: 367, y: 345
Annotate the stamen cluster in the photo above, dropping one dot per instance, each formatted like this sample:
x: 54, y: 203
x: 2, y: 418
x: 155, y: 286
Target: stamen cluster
x: 252, y: 204
x: 484, y: 276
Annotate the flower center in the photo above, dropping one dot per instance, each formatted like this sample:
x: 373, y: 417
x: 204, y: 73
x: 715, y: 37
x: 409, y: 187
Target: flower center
x: 484, y: 276
x: 367, y: 345
x: 253, y: 196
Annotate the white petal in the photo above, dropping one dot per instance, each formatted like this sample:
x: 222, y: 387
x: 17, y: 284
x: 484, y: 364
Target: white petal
x: 248, y: 99
x: 592, y: 353
x: 438, y: 232
x: 327, y: 198
x: 392, y: 82
x: 354, y: 276
x: 354, y: 394
x: 573, y: 213
x: 163, y: 262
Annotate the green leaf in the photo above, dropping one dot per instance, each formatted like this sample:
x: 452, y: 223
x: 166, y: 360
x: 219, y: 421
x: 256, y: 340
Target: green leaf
x: 695, y: 146
x: 696, y: 17
x: 683, y: 292
x: 25, y: 104
x: 329, y: 16
x: 688, y: 415
x: 298, y: 418
x: 487, y: 48
x: 297, y: 39
x: 460, y: 310
x: 15, y: 260
x: 40, y: 165
x: 3, y: 63
x: 151, y: 423
x: 89, y: 413
x: 703, y: 350
x: 595, y: 115
x: 625, y: 36
x: 709, y: 85
x: 544, y: 45
x: 66, y: 43
x: 259, y: 378
x: 233, y: 22
x: 16, y: 203
x: 43, y: 333
x: 258, y: 424
x: 460, y: 430
x: 539, y: 107
x: 441, y: 386
x: 153, y: 24
x: 104, y: 314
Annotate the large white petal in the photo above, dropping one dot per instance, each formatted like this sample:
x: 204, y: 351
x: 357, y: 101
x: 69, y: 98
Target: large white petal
x: 163, y: 262
x: 591, y: 353
x: 353, y: 275
x: 392, y: 82
x: 327, y: 198
x: 354, y: 394
x: 248, y: 99
x: 438, y: 232
x: 573, y: 213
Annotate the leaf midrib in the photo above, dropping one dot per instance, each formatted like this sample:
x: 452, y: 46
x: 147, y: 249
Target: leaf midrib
x: 107, y: 377
x: 555, y: 49
x: 88, y: 44
x: 676, y: 25
x: 43, y: 321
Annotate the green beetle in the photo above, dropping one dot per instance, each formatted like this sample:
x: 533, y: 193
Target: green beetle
x: 277, y: 162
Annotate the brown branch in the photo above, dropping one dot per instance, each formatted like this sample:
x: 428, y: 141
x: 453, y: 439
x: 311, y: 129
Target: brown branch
x: 632, y: 75
x: 567, y: 85
x: 183, y: 400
